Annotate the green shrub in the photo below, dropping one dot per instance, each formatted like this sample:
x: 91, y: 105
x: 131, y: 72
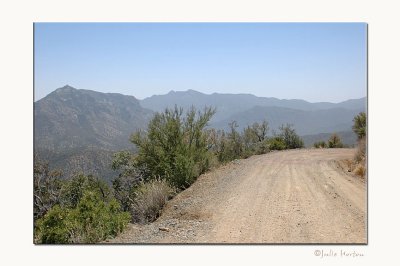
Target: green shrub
x: 360, y: 125
x: 90, y: 215
x: 149, y: 200
x: 290, y: 137
x: 320, y: 144
x: 235, y: 145
x: 174, y: 147
x: 74, y: 188
x: 230, y: 145
x: 55, y: 227
x: 335, y: 141
x: 262, y: 147
x: 96, y: 220
x: 276, y: 143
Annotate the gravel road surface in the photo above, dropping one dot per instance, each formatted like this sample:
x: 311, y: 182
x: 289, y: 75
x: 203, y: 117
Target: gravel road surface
x: 295, y: 196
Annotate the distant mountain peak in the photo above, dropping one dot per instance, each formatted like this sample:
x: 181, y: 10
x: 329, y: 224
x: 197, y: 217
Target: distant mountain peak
x: 70, y: 118
x: 67, y: 87
x: 189, y: 92
x: 64, y: 91
x: 192, y: 91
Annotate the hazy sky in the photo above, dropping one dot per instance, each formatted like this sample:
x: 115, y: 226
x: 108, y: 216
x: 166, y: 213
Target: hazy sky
x: 311, y: 61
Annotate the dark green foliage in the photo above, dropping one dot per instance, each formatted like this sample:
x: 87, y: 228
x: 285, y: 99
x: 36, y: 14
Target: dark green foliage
x: 92, y: 220
x: 54, y: 227
x: 86, y: 213
x: 174, y: 147
x: 276, y: 143
x: 73, y: 190
x: 290, y: 138
x: 335, y: 141
x: 95, y: 219
x: 123, y: 161
x: 320, y: 144
x: 360, y: 125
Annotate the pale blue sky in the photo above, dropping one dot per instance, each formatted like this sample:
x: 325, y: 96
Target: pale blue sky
x: 310, y: 61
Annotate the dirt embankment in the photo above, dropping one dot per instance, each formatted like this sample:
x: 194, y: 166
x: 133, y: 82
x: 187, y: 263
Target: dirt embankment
x: 296, y: 196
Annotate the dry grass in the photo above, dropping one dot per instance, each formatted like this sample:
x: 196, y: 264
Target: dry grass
x: 360, y: 170
x: 357, y: 165
x: 149, y: 200
x: 349, y: 165
x: 361, y: 150
x: 360, y: 158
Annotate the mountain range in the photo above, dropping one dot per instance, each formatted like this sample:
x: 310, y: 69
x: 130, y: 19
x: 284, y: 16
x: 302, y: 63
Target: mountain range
x: 79, y: 130
x: 228, y: 105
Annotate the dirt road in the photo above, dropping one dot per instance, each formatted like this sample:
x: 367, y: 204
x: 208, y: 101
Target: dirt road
x: 297, y: 196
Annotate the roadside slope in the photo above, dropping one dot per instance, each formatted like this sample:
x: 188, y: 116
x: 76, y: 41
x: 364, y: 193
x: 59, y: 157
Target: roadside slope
x: 297, y: 196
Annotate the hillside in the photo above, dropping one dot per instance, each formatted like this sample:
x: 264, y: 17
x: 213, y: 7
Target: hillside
x: 69, y: 118
x: 72, y: 123
x: 308, y: 118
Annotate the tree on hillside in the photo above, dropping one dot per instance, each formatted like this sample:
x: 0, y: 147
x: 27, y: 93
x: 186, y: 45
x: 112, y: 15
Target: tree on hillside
x: 260, y: 130
x: 254, y: 139
x: 250, y: 138
x: 235, y: 141
x: 196, y: 137
x: 290, y: 137
x: 222, y: 147
x: 128, y: 179
x: 360, y: 125
x: 174, y: 146
x: 46, y: 187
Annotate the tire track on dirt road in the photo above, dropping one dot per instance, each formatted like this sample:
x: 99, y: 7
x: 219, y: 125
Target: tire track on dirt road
x: 295, y: 196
